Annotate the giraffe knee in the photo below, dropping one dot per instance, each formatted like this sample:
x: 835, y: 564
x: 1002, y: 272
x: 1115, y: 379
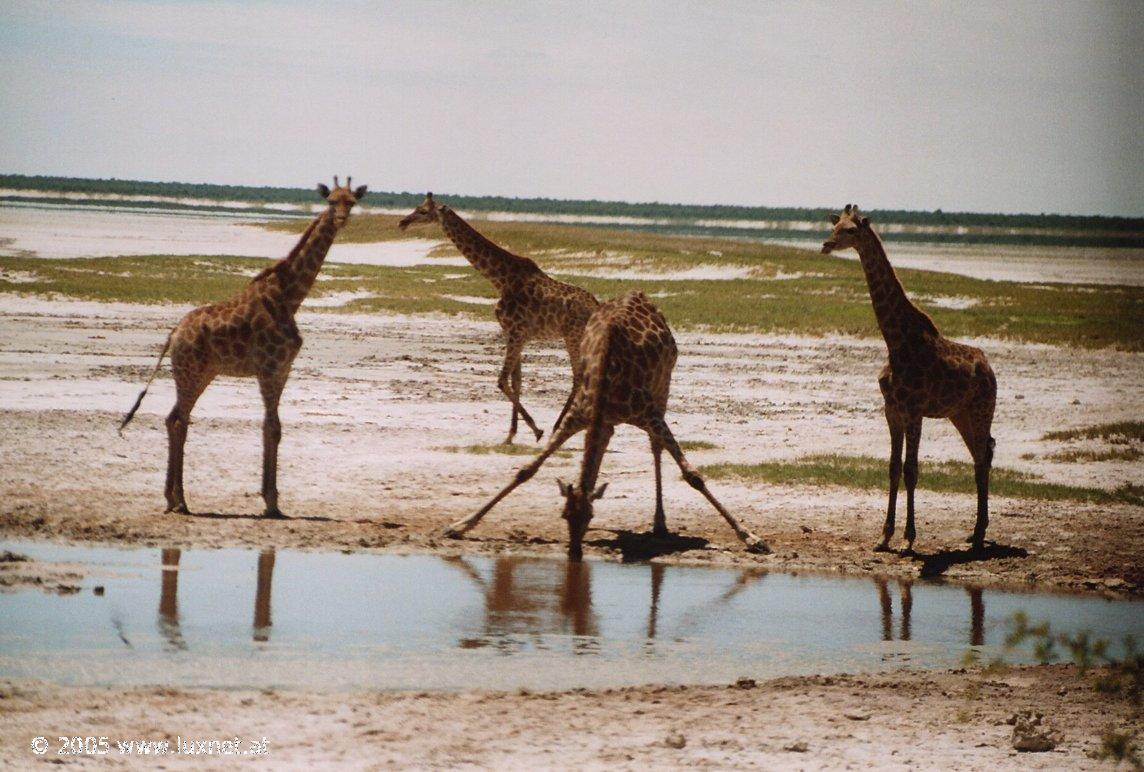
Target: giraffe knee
x: 694, y: 480
x: 175, y: 421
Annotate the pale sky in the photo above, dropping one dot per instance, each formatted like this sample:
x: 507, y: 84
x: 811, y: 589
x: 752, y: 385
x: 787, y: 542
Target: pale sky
x: 980, y: 106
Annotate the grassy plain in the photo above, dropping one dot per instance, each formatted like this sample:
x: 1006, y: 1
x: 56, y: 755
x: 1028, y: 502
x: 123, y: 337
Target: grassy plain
x: 779, y: 290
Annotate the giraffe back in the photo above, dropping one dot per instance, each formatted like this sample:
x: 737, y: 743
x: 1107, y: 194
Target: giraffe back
x: 628, y: 354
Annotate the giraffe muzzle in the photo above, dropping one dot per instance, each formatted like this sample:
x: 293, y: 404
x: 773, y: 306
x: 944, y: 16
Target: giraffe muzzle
x: 828, y: 247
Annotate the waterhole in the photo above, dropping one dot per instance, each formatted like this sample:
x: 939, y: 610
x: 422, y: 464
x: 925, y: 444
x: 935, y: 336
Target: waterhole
x: 289, y: 619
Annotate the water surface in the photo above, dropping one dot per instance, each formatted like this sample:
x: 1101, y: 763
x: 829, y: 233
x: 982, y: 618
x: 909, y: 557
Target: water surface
x: 244, y: 618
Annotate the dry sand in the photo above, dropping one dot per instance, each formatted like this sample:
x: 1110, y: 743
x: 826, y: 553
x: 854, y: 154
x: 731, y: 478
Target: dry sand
x: 900, y: 720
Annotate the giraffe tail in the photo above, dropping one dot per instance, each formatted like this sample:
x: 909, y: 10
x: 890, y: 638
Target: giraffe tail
x: 139, y: 400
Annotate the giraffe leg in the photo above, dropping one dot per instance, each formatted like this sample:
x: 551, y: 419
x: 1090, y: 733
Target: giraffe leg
x: 658, y: 430
x: 189, y: 386
x: 271, y: 385
x: 659, y: 527
x: 572, y: 344
x: 569, y: 428
x: 975, y: 431
x: 505, y: 383
x: 897, y: 434
x: 516, y: 378
x: 913, y: 440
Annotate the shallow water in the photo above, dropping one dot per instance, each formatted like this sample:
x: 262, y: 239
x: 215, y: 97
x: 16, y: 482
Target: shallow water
x: 243, y: 618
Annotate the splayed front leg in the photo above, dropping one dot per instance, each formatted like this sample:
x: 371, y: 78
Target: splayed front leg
x: 658, y: 430
x: 457, y: 529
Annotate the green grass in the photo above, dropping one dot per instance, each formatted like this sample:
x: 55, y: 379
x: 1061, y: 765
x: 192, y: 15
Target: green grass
x: 826, y: 294
x: 870, y: 473
x: 1120, y: 432
x: 690, y: 445
x: 1118, y: 453
x: 506, y: 450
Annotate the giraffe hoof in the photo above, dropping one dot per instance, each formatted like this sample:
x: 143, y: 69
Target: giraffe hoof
x: 758, y: 547
x: 179, y: 509
x: 274, y: 513
x: 883, y: 547
x: 539, y: 434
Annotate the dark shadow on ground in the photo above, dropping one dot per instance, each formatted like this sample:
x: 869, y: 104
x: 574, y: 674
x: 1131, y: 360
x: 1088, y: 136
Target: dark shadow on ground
x: 938, y: 563
x: 282, y: 519
x: 635, y: 547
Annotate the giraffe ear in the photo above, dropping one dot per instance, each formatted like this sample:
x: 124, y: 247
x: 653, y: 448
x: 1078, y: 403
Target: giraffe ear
x: 599, y: 492
x: 865, y: 222
x: 323, y: 190
x: 834, y: 219
x: 359, y: 194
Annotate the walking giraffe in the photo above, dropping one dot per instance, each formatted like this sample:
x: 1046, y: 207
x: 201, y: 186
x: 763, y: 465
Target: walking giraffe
x: 628, y: 354
x: 252, y: 334
x: 927, y: 376
x: 532, y: 305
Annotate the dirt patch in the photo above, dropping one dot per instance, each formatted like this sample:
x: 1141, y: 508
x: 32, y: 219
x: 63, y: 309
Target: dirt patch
x: 908, y: 719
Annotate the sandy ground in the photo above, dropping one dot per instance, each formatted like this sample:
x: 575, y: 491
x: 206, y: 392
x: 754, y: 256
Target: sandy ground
x: 377, y: 405
x: 900, y: 720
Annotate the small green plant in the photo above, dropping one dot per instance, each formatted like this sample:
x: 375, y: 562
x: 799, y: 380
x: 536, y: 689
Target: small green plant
x: 1120, y: 746
x: 1123, y: 676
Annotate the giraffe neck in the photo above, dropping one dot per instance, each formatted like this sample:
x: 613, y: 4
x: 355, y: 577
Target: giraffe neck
x: 491, y: 261
x: 894, y: 311
x: 594, y: 439
x: 302, y: 266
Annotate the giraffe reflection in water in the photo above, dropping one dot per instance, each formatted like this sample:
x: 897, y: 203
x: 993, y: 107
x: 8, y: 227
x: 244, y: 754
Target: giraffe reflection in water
x: 905, y: 592
x: 169, y: 600
x: 527, y: 599
x: 169, y: 626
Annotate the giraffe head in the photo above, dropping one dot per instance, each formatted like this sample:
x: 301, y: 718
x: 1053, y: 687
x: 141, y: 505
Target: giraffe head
x: 848, y: 226
x: 578, y: 513
x: 426, y: 212
x: 342, y: 199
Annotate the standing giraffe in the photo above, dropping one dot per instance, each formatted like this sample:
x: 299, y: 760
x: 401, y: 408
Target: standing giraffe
x: 251, y: 334
x: 927, y: 376
x: 532, y: 305
x: 628, y: 354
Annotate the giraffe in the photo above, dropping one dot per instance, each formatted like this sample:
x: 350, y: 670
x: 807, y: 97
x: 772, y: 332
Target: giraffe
x: 532, y: 305
x: 252, y: 334
x: 927, y: 376
x: 628, y: 354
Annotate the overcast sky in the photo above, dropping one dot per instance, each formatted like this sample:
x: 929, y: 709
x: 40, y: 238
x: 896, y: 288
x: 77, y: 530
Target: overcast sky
x: 983, y: 106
